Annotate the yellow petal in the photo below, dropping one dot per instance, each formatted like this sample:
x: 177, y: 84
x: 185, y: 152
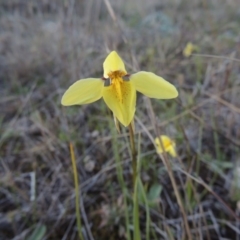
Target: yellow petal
x: 83, y: 91
x: 153, y: 86
x: 172, y: 151
x: 168, y: 145
x: 189, y: 49
x: 121, y: 99
x: 113, y: 63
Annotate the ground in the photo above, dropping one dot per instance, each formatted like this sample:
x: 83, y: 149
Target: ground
x: 47, y: 45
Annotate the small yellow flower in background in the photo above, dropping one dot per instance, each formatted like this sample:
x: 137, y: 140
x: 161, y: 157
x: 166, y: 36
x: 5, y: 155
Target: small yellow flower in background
x: 189, y: 49
x: 168, y: 145
x: 118, y: 89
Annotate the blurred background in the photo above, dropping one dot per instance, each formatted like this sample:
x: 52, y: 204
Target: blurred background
x: 47, y: 45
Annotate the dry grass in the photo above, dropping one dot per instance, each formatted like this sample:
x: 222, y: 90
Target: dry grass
x: 45, y: 46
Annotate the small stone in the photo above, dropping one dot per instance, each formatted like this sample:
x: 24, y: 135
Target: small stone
x: 89, y: 164
x: 95, y: 134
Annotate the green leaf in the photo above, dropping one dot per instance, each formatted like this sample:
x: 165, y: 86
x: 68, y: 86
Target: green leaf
x: 225, y: 165
x: 154, y: 193
x: 38, y: 233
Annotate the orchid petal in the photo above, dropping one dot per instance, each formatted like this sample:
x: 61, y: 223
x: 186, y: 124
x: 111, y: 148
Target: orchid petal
x: 172, y: 151
x: 168, y: 145
x: 83, y: 91
x: 153, y: 86
x: 120, y: 97
x: 113, y: 63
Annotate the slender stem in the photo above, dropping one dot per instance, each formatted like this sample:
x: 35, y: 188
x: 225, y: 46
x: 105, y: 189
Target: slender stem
x: 134, y: 153
x: 136, y: 233
x: 121, y: 180
x: 77, y: 192
x: 170, y: 172
x: 148, y: 220
x: 177, y: 194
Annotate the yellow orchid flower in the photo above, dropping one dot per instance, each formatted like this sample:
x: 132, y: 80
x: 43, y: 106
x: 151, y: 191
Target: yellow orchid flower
x: 118, y: 89
x: 189, y: 49
x: 168, y: 145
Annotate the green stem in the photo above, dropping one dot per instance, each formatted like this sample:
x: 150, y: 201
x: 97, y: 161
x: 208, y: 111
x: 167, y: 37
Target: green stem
x: 148, y: 220
x: 134, y: 153
x: 121, y: 182
x: 77, y: 192
x: 136, y: 233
